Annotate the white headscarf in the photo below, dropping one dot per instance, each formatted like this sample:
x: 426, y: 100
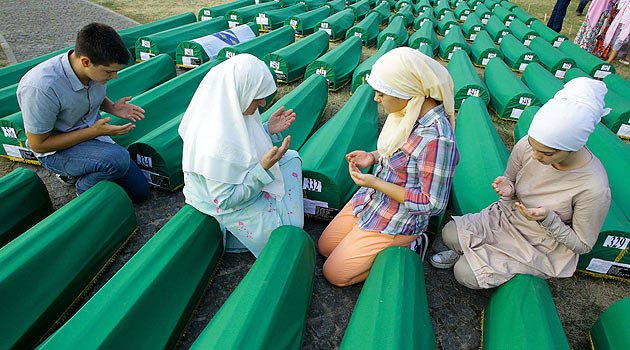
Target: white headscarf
x: 567, y: 120
x: 411, y: 75
x: 220, y: 143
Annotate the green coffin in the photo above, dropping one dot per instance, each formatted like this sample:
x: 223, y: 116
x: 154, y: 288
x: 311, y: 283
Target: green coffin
x: 522, y: 32
x: 328, y: 185
x: 446, y: 23
x: 312, y: 4
x: 338, y: 64
x: 521, y: 315
x: 618, y: 84
x: 12, y: 74
x: 290, y: 62
x: 427, y: 50
x: 425, y: 35
x: 336, y: 5
x: 523, y: 15
x: 547, y: 33
x: 472, y: 26
x: 337, y: 24
x: 483, y: 157
x: 131, y: 81
x: 491, y: 4
x: 515, y: 54
x: 619, y: 106
x: 248, y: 13
x: 462, y: 11
x: 466, y: 81
x: 496, y: 29
x: 551, y: 58
x: 442, y: 8
x: 522, y: 125
x: 367, y: 29
x: 610, y: 332
x: 149, y: 302
x: 484, y: 13
x: 24, y: 202
x: 542, y: 83
x: 360, y: 9
x: 361, y: 74
x: 427, y: 16
x: 207, y: 13
x: 508, y: 95
x: 305, y: 23
x: 474, y: 3
x: 402, y: 3
x: 452, y: 42
x: 383, y: 11
x: 504, y: 15
x: 50, y: 267
x: 390, y: 302
x: 483, y: 49
x: 268, y: 309
x: 406, y: 13
x: 261, y: 45
x: 395, y: 31
x: 269, y: 20
x: 8, y: 100
x: 592, y: 65
x: 166, y: 42
x: 421, y: 6
x: 508, y: 5
x: 308, y: 101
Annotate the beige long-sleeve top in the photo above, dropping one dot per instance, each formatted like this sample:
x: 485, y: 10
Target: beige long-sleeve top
x: 500, y: 242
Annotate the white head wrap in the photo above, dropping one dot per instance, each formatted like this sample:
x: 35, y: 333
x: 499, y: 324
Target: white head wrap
x: 567, y: 120
x: 220, y: 143
x: 411, y: 75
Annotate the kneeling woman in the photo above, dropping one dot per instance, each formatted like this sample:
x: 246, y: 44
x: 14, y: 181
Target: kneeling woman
x: 415, y: 160
x: 231, y: 169
x: 554, y: 198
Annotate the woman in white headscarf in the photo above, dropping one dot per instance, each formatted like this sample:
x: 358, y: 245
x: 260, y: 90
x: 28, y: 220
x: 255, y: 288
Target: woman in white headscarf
x: 554, y: 196
x: 231, y: 169
x: 415, y: 159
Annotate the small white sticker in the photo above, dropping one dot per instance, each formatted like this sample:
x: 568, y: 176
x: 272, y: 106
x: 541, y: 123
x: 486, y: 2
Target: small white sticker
x: 527, y: 42
x: 327, y: 31
x: 357, y: 34
x: 229, y: 54
x: 9, y: 132
x: 262, y: 20
x: 560, y: 74
x: 485, y: 61
x: 205, y: 18
x: 310, y: 206
x: 144, y: 161
x: 274, y: 64
x: 446, y: 32
x: 616, y: 242
x: 507, y: 23
x: 525, y: 101
x: 522, y: 66
x: 321, y: 71
x: 624, y: 131
x: 473, y: 92
x: 145, y: 56
x: 566, y: 66
x: 463, y: 18
x: 484, y: 21
x: 293, y: 23
x: 312, y: 185
x: 234, y: 17
x: 188, y: 61
x: 473, y: 36
x: 492, y: 55
x: 189, y: 52
x: 233, y: 24
x: 389, y: 38
x: 146, y: 43
x: 516, y: 113
x: 528, y: 57
x: 600, y: 74
x: 324, y: 25
x: 599, y: 265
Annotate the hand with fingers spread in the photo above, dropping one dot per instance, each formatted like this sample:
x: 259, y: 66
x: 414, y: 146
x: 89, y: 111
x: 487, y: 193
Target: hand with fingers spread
x: 123, y: 109
x: 275, y: 154
x: 102, y: 128
x: 362, y: 159
x: 359, y: 178
x: 280, y: 120
x: 532, y: 214
x: 503, y: 186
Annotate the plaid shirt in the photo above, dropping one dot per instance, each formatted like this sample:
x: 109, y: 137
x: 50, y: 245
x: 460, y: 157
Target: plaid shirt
x: 424, y: 166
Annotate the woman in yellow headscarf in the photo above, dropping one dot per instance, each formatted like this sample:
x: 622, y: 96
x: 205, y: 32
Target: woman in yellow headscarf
x: 416, y: 160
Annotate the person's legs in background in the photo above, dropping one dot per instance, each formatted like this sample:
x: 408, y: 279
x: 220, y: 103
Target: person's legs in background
x: 581, y: 6
x: 557, y: 15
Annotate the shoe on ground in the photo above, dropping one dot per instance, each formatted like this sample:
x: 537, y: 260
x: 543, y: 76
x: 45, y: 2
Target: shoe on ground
x: 420, y: 245
x: 66, y: 180
x: 624, y: 62
x: 444, y: 260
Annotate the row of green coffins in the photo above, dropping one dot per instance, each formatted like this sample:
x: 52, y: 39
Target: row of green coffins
x: 131, y: 81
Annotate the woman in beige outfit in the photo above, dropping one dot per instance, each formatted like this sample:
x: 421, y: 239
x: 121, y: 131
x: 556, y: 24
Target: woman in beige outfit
x: 554, y: 198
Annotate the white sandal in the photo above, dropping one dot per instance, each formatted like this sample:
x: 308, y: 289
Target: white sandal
x: 444, y: 260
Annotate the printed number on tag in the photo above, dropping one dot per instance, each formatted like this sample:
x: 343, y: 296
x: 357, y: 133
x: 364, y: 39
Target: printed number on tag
x: 144, y: 161
x: 146, y: 43
x: 324, y: 25
x: 274, y: 64
x: 311, y: 185
x: 293, y: 22
x: 473, y: 92
x: 529, y: 57
x: 188, y: 52
x: 321, y: 72
x: 229, y: 54
x: 616, y: 242
x: 9, y: 132
x: 525, y: 101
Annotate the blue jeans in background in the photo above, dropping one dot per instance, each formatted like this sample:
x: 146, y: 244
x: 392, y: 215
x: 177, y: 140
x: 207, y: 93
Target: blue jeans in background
x: 557, y: 15
x: 581, y: 7
x: 92, y: 161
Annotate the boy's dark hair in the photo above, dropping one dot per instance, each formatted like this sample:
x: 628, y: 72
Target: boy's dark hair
x: 101, y: 44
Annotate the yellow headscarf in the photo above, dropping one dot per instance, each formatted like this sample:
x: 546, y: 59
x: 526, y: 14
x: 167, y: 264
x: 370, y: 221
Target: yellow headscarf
x: 409, y: 74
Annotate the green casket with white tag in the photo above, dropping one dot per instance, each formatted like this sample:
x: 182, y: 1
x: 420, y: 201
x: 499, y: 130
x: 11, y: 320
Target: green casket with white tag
x: 496, y: 29
x: 207, y: 13
x: 337, y: 65
x: 491, y: 4
x: 542, y: 83
x: 483, y: 49
x: 551, y: 58
x: 273, y: 298
x: 427, y: 16
x: 590, y: 64
x: 166, y: 42
x: 360, y: 8
x: 383, y: 11
x: 336, y: 5
x: 406, y: 13
x: 462, y: 11
x: 290, y: 62
x: 504, y: 15
x: 618, y: 84
x: 394, y: 31
x: 452, y: 42
x: 390, y: 302
x: 610, y: 331
x: 442, y: 8
x: 508, y: 5
x: 163, y: 281
x: 547, y: 33
x: 402, y: 3
x: 367, y: 29
x: 327, y: 183
x: 308, y: 101
x: 509, y: 97
x: 425, y: 35
x: 472, y: 26
x: 50, y: 267
x: 483, y: 12
x: 246, y: 14
x: 446, y: 23
x: 337, y: 24
x: 421, y: 6
x: 483, y: 157
x: 311, y: 4
x: 515, y: 54
x: 522, y: 32
x: 466, y: 81
x: 305, y: 23
x: 521, y: 315
x: 362, y: 72
x: 262, y: 45
x: 523, y: 15
x: 24, y: 202
x: 269, y: 20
